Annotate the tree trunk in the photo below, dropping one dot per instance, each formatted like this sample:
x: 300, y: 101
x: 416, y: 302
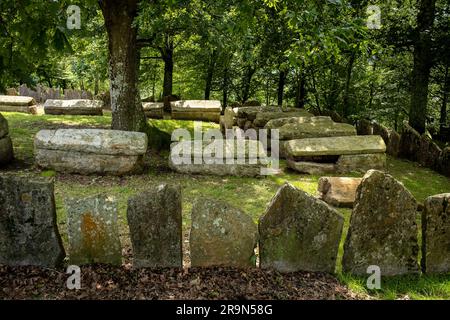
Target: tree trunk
x: 167, y: 55
x: 225, y: 88
x: 247, y: 82
x: 281, y: 83
x: 422, y: 66
x: 348, y: 79
x: 300, y: 95
x: 127, y: 112
x: 443, y: 117
x: 210, y: 74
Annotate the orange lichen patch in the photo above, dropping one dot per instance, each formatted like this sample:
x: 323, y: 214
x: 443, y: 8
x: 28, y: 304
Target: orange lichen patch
x: 94, y: 241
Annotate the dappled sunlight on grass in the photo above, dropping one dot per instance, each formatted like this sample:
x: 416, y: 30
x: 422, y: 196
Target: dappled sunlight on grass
x: 249, y: 194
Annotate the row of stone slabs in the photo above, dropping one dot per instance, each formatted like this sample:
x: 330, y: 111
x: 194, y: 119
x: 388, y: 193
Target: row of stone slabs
x: 297, y: 231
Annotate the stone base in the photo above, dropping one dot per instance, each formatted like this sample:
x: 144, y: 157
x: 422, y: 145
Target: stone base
x: 73, y: 111
x: 87, y: 163
x: 6, y: 150
x: 21, y: 109
x: 199, y: 116
x: 346, y: 163
x: 239, y: 170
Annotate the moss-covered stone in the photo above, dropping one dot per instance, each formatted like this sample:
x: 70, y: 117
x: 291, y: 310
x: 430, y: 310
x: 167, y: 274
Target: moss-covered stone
x: 299, y: 232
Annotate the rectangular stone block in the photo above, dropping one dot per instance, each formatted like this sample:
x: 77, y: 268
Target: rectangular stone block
x: 73, y: 107
x: 298, y: 130
x: 338, y: 191
x: 93, y: 230
x: 155, y: 222
x: 16, y: 101
x: 154, y: 110
x: 350, y: 145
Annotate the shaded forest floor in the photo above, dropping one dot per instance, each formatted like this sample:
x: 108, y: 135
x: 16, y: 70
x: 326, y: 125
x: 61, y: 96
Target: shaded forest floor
x: 250, y: 194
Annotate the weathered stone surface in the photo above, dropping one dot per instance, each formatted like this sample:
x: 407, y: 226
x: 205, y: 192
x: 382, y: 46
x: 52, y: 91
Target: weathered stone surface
x: 292, y: 131
x: 6, y: 150
x: 155, y: 222
x: 238, y: 170
x: 299, y: 232
x: 409, y: 143
x: 444, y: 162
x: 361, y: 162
x: 230, y: 115
x: 93, y: 231
x: 429, y: 153
x: 4, y: 129
x: 338, y: 191
x: 97, y: 141
x: 278, y: 123
x: 314, y: 168
x: 73, y: 107
x: 263, y: 117
x: 16, y: 101
x: 364, y: 128
x: 335, y: 146
x: 383, y: 229
x: 87, y: 163
x: 154, y: 110
x: 221, y: 235
x: 28, y: 231
x: 436, y: 234
x: 392, y: 148
x: 21, y: 109
x: 202, y: 110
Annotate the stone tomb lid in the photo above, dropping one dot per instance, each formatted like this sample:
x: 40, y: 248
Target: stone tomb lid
x: 335, y: 146
x: 16, y: 101
x: 196, y: 105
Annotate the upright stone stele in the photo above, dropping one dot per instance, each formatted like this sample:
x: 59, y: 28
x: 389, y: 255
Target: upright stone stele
x: 221, y: 235
x: 93, y: 230
x: 436, y: 234
x: 28, y: 231
x: 383, y: 229
x: 299, y: 232
x: 155, y: 222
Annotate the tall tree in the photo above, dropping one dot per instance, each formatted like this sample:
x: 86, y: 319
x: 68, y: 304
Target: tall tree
x: 422, y: 65
x: 127, y: 111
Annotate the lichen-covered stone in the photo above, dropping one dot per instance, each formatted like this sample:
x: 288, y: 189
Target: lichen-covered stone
x: 262, y: 118
x: 6, y: 150
x: 315, y: 168
x: 383, y: 229
x: 221, y: 235
x: 93, y: 230
x: 28, y: 231
x: 278, y: 123
x: 155, y: 222
x: 364, y: 127
x: 73, y: 107
x: 202, y: 110
x: 319, y: 129
x: 361, y: 162
x: 436, y: 234
x: 350, y: 145
x: 90, y: 151
x: 4, y: 129
x: 17, y: 104
x: 338, y: 191
x: 154, y: 110
x: 299, y: 232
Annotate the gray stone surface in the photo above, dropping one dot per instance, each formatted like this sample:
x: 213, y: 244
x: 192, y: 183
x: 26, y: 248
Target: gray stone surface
x: 314, y: 168
x: 292, y: 131
x: 4, y: 129
x: 335, y: 146
x: 93, y: 230
x: 154, y: 110
x: 28, y: 231
x: 6, y: 150
x: 97, y: 141
x: 196, y: 106
x: 221, y: 235
x: 238, y: 170
x: 278, y: 123
x: 88, y: 163
x: 436, y: 234
x: 338, y: 191
x: 16, y: 101
x: 89, y: 151
x: 263, y: 117
x: 383, y: 229
x: 361, y: 162
x: 299, y: 232
x: 154, y: 218
x: 73, y: 107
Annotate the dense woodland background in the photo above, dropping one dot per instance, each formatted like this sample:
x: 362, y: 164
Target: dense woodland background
x: 315, y: 54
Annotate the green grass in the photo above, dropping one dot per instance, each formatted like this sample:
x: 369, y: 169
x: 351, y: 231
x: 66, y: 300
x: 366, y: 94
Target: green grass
x: 250, y: 194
